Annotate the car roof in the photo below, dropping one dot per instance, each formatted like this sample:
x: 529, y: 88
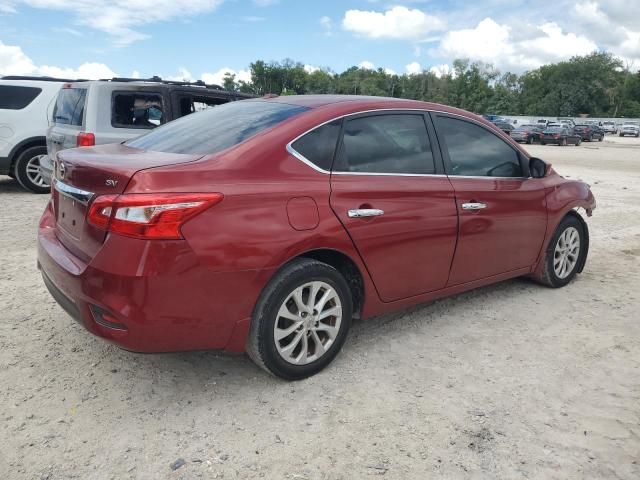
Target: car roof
x: 360, y: 103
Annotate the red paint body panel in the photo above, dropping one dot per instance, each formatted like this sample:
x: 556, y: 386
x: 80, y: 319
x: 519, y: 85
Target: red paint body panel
x: 199, y: 292
x: 408, y: 250
x: 505, y: 236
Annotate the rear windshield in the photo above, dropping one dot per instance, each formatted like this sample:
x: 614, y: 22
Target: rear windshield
x: 553, y: 130
x: 216, y: 129
x: 69, y: 108
x: 13, y: 97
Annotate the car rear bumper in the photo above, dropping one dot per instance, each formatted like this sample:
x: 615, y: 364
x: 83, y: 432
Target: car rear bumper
x: 555, y: 141
x: 165, y: 301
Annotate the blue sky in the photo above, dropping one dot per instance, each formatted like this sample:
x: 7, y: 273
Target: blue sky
x: 200, y: 38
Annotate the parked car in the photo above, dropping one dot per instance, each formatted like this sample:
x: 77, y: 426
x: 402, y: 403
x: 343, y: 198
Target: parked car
x: 494, y: 118
x: 505, y: 127
x: 630, y: 128
x: 527, y: 134
x: 266, y: 225
x: 110, y: 111
x: 560, y: 136
x: 589, y: 133
x: 542, y: 123
x: 23, y: 125
x: 610, y: 127
x: 567, y: 122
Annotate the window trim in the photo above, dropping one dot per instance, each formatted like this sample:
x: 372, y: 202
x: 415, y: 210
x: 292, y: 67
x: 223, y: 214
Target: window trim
x: 134, y: 92
x: 435, y: 147
x: 445, y: 151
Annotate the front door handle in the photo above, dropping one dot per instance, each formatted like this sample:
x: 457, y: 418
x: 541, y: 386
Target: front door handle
x: 365, y: 212
x: 474, y: 206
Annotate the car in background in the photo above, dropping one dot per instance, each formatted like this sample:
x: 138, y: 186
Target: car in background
x: 542, y: 123
x: 506, y: 127
x: 245, y: 227
x: 562, y: 136
x: 589, y: 133
x: 630, y: 128
x: 23, y: 126
x: 119, y: 109
x: 493, y: 118
x: 609, y: 127
x: 567, y: 121
x: 527, y: 134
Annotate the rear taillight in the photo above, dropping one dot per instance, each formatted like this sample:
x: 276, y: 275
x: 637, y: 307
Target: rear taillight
x: 86, y: 139
x: 148, y: 215
x: 557, y: 135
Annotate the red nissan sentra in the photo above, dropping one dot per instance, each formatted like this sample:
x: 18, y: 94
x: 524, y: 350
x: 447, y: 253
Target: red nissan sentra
x: 267, y: 225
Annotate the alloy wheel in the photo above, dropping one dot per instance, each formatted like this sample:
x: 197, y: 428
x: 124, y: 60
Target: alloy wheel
x: 307, y: 323
x: 34, y: 172
x: 566, y: 253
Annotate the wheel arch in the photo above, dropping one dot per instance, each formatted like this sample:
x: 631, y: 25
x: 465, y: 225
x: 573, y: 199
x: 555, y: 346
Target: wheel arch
x: 18, y: 149
x: 347, y: 267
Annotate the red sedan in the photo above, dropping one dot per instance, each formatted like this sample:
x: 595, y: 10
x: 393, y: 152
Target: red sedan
x: 267, y: 225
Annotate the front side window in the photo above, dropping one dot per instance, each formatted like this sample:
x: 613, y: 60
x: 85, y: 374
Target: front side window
x: 216, y: 129
x: 475, y: 151
x: 14, y: 97
x: 69, y: 108
x: 393, y: 143
x: 319, y: 145
x: 136, y: 110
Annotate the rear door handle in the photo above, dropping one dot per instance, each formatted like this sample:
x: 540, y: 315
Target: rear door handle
x: 474, y: 206
x: 365, y: 212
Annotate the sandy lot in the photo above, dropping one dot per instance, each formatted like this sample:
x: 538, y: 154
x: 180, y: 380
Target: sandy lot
x: 510, y: 381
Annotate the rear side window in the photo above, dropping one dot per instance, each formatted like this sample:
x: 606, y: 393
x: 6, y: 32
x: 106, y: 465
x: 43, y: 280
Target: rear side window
x: 136, y: 110
x: 69, y: 108
x: 394, y: 143
x: 195, y: 103
x: 216, y: 129
x: 319, y: 145
x: 13, y: 97
x: 474, y: 151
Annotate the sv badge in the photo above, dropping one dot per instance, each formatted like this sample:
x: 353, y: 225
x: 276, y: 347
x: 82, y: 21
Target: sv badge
x: 111, y: 183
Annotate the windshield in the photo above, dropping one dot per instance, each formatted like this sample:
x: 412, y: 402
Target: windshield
x: 553, y: 130
x: 216, y: 129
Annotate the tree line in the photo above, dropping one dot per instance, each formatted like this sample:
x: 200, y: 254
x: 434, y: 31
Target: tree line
x: 598, y: 85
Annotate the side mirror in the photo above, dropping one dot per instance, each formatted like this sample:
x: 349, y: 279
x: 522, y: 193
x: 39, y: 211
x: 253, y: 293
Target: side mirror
x: 538, y: 168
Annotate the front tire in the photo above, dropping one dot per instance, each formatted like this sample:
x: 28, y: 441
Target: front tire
x: 27, y: 170
x: 566, y: 253
x: 301, y: 320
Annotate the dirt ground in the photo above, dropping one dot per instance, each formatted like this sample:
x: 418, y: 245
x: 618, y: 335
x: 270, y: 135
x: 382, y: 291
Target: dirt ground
x: 509, y: 381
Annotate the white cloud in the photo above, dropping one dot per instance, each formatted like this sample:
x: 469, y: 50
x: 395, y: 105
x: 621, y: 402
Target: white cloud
x: 310, y: 68
x: 218, y: 77
x: 265, y: 3
x: 390, y: 71
x: 13, y: 61
x: 366, y: 65
x: 492, y: 42
x: 183, y: 75
x: 396, y: 23
x: 442, y: 70
x: 122, y: 18
x: 413, y: 68
x: 327, y: 25
x: 135, y: 74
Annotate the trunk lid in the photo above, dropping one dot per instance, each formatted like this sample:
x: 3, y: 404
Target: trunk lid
x: 83, y: 174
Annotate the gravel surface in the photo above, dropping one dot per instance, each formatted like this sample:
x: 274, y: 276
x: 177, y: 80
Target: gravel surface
x: 509, y: 381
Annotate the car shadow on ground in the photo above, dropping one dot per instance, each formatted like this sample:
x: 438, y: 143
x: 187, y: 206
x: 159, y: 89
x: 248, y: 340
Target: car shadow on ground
x: 233, y: 373
x: 11, y: 185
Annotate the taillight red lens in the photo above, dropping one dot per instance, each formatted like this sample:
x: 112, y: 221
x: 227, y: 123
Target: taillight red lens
x: 86, y: 139
x: 148, y: 215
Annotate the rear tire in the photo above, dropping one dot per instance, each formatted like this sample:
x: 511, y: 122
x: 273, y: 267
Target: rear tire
x: 530, y: 140
x: 27, y: 170
x: 563, y: 142
x: 288, y: 304
x: 566, y: 253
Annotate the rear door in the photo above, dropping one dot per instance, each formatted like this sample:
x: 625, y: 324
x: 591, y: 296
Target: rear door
x: 389, y: 192
x: 67, y: 118
x: 502, y: 212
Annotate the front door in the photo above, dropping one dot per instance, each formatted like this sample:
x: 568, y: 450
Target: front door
x: 389, y: 192
x: 502, y: 212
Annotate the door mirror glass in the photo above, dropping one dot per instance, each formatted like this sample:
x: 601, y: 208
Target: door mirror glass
x: 538, y: 168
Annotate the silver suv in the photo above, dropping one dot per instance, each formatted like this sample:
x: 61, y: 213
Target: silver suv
x: 116, y: 110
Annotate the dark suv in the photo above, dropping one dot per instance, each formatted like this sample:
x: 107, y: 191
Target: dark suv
x: 112, y: 111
